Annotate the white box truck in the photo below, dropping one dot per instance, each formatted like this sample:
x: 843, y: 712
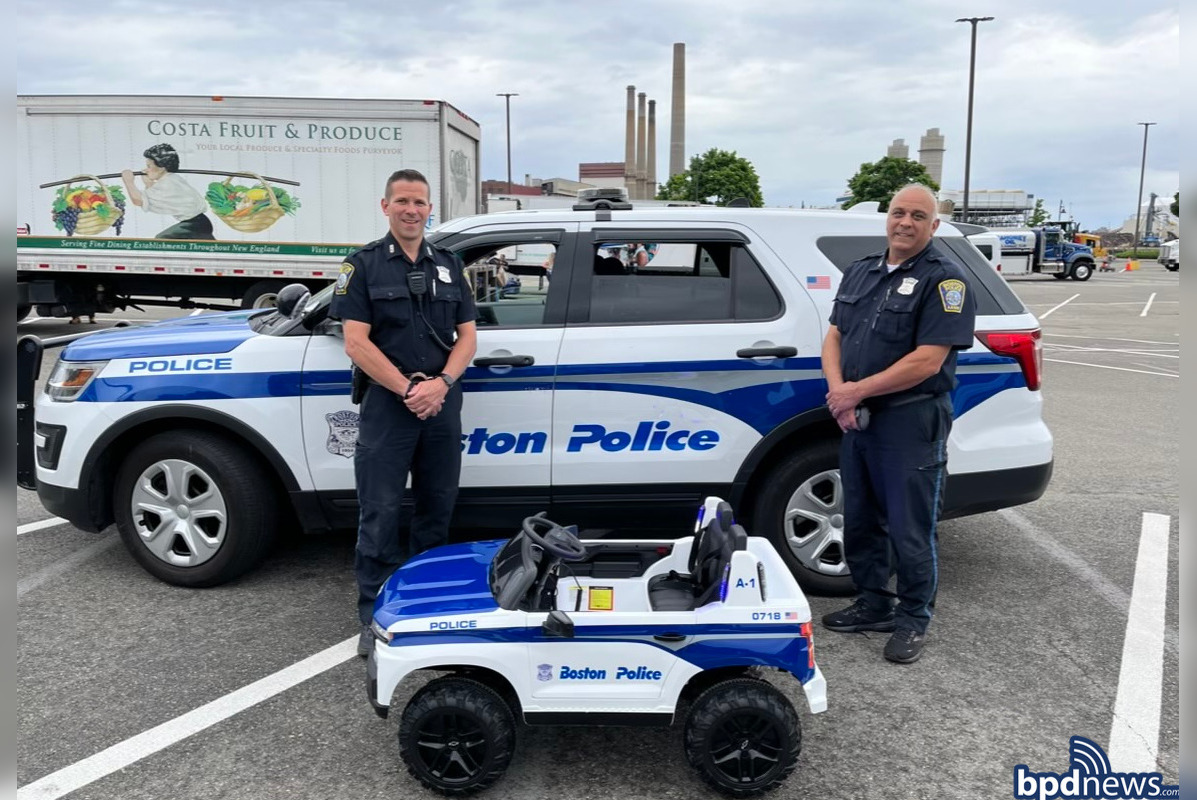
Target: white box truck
x: 253, y: 193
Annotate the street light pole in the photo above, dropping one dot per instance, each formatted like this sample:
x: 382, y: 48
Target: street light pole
x: 1139, y: 205
x: 968, y: 136
x: 508, y: 96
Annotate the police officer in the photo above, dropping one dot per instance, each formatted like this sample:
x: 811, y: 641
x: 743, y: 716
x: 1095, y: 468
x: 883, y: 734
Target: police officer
x: 890, y: 361
x: 408, y: 314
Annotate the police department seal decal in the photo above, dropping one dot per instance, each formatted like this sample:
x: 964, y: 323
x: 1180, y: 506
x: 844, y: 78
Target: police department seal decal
x: 342, y: 432
x: 951, y: 293
x: 343, y: 278
x: 544, y: 672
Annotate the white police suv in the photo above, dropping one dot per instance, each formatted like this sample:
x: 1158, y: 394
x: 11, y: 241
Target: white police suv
x: 610, y: 395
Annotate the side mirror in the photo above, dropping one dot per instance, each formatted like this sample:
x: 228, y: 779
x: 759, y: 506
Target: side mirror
x: 292, y: 299
x: 558, y: 625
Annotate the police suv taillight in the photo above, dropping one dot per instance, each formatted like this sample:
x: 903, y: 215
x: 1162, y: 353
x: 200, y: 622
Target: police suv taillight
x: 1024, y: 347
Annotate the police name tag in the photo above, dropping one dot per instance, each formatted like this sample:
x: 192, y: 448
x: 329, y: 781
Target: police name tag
x: 908, y: 285
x: 951, y: 293
x: 442, y: 275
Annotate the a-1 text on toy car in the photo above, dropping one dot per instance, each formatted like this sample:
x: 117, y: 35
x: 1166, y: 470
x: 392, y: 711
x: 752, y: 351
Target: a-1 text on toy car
x: 550, y: 629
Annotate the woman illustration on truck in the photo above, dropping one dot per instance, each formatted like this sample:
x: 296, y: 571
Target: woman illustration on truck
x: 165, y: 192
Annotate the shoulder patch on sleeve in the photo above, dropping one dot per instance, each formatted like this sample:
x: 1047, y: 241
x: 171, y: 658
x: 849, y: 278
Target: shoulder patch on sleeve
x: 343, y: 278
x: 951, y: 294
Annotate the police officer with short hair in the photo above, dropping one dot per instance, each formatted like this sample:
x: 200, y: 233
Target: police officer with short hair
x: 890, y: 360
x: 408, y: 314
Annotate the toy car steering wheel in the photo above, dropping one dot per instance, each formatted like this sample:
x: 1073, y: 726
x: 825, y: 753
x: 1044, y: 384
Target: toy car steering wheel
x: 555, y: 540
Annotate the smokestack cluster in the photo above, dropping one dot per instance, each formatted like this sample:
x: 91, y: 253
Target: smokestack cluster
x: 640, y: 140
x: 640, y: 147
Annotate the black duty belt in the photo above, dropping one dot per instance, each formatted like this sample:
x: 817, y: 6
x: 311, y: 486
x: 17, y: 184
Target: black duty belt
x: 881, y: 403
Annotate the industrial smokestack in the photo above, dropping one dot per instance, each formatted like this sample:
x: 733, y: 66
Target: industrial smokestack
x: 641, y: 143
x: 931, y: 147
x: 677, y: 112
x: 629, y: 152
x: 650, y: 186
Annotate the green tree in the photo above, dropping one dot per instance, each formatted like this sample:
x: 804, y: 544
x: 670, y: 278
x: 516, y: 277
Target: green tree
x: 716, y: 176
x: 1038, y: 215
x: 1175, y: 207
x: 880, y: 180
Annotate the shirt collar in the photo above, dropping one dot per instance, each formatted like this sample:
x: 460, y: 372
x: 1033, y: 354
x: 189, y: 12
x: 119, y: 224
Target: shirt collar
x: 394, y: 250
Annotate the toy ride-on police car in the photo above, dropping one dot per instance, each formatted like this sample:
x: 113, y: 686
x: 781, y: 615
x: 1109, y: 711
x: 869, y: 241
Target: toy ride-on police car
x: 551, y: 629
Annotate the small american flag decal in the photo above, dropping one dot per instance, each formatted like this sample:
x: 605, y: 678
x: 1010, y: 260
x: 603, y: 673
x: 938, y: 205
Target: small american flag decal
x: 818, y: 281
x: 791, y: 615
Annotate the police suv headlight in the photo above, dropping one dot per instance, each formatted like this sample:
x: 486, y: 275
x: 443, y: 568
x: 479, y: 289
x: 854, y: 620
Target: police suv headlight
x: 379, y: 632
x: 70, y: 378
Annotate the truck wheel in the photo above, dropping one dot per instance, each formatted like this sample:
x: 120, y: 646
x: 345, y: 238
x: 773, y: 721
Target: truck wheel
x: 743, y: 737
x: 1082, y: 271
x: 263, y: 294
x: 1169, y: 267
x: 801, y: 511
x: 456, y: 736
x: 194, y: 508
x: 23, y: 311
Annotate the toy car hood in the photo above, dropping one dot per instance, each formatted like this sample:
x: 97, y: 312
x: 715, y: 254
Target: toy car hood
x: 448, y: 580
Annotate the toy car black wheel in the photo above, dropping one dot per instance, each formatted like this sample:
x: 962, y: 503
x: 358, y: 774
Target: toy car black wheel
x: 456, y: 736
x: 743, y: 737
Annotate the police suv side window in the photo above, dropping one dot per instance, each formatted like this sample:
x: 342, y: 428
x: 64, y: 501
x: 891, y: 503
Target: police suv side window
x: 661, y: 282
x: 510, y: 281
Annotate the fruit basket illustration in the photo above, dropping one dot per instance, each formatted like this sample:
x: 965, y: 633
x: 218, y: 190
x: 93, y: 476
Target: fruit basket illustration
x: 88, y: 210
x: 250, y: 209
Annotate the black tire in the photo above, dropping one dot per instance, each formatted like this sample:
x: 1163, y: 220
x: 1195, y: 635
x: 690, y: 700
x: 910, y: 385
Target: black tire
x: 23, y: 311
x: 434, y: 729
x: 743, y: 737
x: 812, y: 549
x: 1060, y: 275
x: 1169, y: 267
x: 263, y: 294
x: 231, y: 502
x: 1081, y: 271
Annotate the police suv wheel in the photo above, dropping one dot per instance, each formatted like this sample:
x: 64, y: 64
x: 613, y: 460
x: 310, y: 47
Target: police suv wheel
x: 194, y: 508
x: 743, y: 737
x: 1082, y: 271
x: 800, y: 509
x: 23, y: 311
x: 456, y: 736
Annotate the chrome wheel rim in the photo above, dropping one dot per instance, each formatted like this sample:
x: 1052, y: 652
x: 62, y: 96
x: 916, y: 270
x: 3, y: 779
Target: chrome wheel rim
x: 179, y: 513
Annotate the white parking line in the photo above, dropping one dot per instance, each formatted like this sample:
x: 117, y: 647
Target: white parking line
x: 30, y: 527
x: 1120, y: 369
x: 1147, y: 307
x: 144, y: 744
x: 1135, y: 732
x: 1109, y: 338
x: 1061, y: 305
x: 64, y: 564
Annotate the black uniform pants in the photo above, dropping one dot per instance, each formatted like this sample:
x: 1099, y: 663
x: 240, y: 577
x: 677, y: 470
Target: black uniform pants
x: 893, y: 474
x: 392, y: 442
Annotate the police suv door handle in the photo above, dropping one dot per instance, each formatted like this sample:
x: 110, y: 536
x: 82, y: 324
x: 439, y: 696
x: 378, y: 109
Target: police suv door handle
x: 782, y: 351
x: 504, y: 361
x: 670, y: 637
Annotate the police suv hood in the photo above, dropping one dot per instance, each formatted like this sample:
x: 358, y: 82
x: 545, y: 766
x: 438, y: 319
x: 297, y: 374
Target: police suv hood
x: 210, y: 333
x: 444, y: 581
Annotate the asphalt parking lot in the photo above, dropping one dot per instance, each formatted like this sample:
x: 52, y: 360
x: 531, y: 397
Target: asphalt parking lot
x: 129, y: 688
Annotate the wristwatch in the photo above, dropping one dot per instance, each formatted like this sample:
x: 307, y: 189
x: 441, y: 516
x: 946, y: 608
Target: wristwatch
x: 447, y: 378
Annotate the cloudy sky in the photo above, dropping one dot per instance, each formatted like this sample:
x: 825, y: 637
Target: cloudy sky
x: 806, y: 91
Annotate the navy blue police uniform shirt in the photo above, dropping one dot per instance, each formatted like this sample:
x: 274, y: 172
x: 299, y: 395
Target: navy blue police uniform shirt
x: 883, y: 316
x: 373, y: 287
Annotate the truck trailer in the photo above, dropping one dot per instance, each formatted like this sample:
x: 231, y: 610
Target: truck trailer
x: 1045, y: 251
x: 253, y: 193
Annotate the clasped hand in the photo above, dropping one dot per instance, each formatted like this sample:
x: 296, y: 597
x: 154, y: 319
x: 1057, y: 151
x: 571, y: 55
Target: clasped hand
x: 425, y: 398
x: 842, y: 402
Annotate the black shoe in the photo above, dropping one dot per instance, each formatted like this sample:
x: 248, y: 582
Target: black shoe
x: 905, y: 646
x: 859, y: 617
x: 365, y: 642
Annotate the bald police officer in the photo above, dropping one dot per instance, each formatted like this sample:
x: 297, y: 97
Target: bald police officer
x: 890, y: 360
x: 408, y: 315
